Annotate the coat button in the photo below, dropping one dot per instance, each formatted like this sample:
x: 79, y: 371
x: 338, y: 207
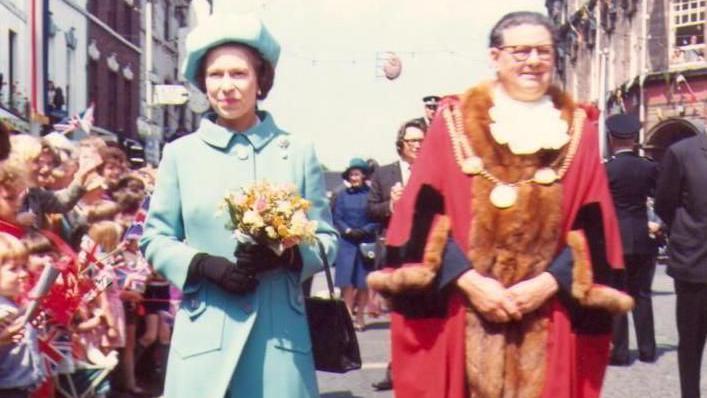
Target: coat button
x: 194, y: 303
x: 242, y: 153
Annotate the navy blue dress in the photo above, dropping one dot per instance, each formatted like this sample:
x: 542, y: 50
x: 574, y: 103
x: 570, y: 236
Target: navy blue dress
x: 350, y: 212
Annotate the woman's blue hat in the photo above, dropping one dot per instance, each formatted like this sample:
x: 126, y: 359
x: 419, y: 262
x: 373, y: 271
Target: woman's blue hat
x: 220, y: 29
x: 355, y: 163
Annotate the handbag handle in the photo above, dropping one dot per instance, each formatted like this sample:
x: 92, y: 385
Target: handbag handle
x: 327, y: 271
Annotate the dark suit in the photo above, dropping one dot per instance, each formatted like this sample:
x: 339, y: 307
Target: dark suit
x: 632, y: 180
x: 681, y: 201
x: 384, y: 178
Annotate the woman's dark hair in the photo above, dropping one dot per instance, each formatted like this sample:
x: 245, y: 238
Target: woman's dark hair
x: 264, y: 71
x: 418, y: 123
x: 4, y: 141
x: 514, y: 19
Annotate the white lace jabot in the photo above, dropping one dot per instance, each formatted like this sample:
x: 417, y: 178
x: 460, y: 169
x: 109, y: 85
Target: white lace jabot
x: 527, y: 127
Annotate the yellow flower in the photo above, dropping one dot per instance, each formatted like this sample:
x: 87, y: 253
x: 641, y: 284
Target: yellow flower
x: 283, y: 231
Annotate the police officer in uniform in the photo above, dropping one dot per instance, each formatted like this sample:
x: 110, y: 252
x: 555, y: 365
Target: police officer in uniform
x: 632, y: 180
x: 431, y: 103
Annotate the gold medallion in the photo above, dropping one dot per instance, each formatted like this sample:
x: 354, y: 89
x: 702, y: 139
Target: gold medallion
x: 545, y: 176
x: 472, y: 165
x: 503, y: 196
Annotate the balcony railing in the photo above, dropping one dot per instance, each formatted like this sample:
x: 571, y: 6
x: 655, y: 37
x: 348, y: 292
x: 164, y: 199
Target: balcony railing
x: 689, y: 56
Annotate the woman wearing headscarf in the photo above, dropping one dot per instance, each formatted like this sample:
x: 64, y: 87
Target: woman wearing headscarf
x: 238, y: 332
x: 504, y: 239
x: 356, y: 228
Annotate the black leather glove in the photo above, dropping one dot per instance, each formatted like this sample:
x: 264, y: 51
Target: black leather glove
x: 260, y: 258
x: 356, y: 235
x: 223, y: 273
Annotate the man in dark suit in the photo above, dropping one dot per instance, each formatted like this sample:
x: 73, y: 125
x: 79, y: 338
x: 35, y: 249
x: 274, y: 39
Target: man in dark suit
x: 386, y: 188
x: 387, y: 182
x: 632, y: 180
x: 681, y: 201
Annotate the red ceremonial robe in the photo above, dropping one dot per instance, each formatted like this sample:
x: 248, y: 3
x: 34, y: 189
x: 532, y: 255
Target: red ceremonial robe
x: 429, y: 353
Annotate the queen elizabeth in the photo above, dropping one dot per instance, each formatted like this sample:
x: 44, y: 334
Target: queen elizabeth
x: 241, y: 329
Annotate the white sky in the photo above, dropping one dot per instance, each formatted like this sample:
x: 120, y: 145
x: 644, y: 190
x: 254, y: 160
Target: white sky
x: 326, y: 84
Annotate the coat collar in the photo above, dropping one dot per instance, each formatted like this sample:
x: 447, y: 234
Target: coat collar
x: 221, y: 137
x: 628, y: 152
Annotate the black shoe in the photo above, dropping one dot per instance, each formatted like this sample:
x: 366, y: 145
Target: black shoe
x: 647, y: 358
x: 383, y: 385
x: 619, y: 361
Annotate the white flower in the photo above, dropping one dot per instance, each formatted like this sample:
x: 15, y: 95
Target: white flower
x: 270, y: 231
x: 284, y: 207
x: 253, y: 218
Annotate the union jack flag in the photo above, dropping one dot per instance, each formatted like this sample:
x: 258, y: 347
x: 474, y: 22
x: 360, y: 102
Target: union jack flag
x: 82, y: 122
x: 136, y: 228
x: 56, y: 351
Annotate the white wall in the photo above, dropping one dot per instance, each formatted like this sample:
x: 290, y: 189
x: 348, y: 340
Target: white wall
x: 14, y: 17
x: 68, y: 67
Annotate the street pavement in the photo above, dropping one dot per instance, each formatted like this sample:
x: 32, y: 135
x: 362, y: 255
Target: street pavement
x: 659, y: 379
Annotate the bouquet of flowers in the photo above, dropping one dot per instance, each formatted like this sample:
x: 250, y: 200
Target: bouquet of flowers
x: 272, y: 215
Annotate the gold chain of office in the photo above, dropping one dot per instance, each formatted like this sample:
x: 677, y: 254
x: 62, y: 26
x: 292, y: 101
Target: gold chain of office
x: 505, y: 194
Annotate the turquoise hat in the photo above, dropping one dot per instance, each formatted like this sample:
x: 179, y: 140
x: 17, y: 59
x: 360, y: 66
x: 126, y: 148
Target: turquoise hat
x: 355, y: 163
x: 225, y: 28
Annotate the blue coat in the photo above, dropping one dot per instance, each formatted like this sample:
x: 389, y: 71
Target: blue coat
x: 350, y: 212
x: 253, y: 345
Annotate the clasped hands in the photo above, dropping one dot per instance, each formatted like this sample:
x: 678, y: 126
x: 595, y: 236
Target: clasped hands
x: 497, y: 303
x: 239, y: 277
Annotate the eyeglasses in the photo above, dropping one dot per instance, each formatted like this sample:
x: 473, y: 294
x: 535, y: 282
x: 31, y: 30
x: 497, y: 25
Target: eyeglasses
x: 413, y: 141
x: 545, y: 52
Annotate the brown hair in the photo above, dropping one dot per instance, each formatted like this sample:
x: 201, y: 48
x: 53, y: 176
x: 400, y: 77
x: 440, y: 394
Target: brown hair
x: 37, y: 243
x: 114, y: 155
x: 418, y: 123
x: 264, y: 71
x: 4, y: 141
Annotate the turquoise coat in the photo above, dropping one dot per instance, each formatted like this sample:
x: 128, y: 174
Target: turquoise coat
x: 253, y: 345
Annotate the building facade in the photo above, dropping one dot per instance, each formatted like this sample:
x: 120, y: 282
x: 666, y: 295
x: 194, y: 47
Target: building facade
x: 14, y: 64
x: 67, y: 57
x: 114, y: 52
x: 645, y: 57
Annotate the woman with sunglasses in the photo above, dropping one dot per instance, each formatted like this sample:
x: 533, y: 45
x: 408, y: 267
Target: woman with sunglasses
x: 492, y: 246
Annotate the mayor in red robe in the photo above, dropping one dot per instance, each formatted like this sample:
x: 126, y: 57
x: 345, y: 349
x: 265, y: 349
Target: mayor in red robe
x: 502, y: 251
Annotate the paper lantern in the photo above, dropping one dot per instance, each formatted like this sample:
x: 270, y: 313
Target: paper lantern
x: 392, y: 67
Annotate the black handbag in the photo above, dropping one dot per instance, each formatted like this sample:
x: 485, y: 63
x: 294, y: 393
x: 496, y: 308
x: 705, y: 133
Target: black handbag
x: 334, y: 344
x: 367, y: 251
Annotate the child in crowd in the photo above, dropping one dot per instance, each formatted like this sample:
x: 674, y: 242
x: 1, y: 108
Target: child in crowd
x: 20, y: 363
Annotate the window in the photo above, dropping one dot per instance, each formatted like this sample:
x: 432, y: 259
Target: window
x: 688, y: 36
x: 113, y: 15
x: 113, y: 96
x: 11, y: 67
x: 128, y: 23
x: 93, y: 91
x: 128, y: 95
x: 167, y: 33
